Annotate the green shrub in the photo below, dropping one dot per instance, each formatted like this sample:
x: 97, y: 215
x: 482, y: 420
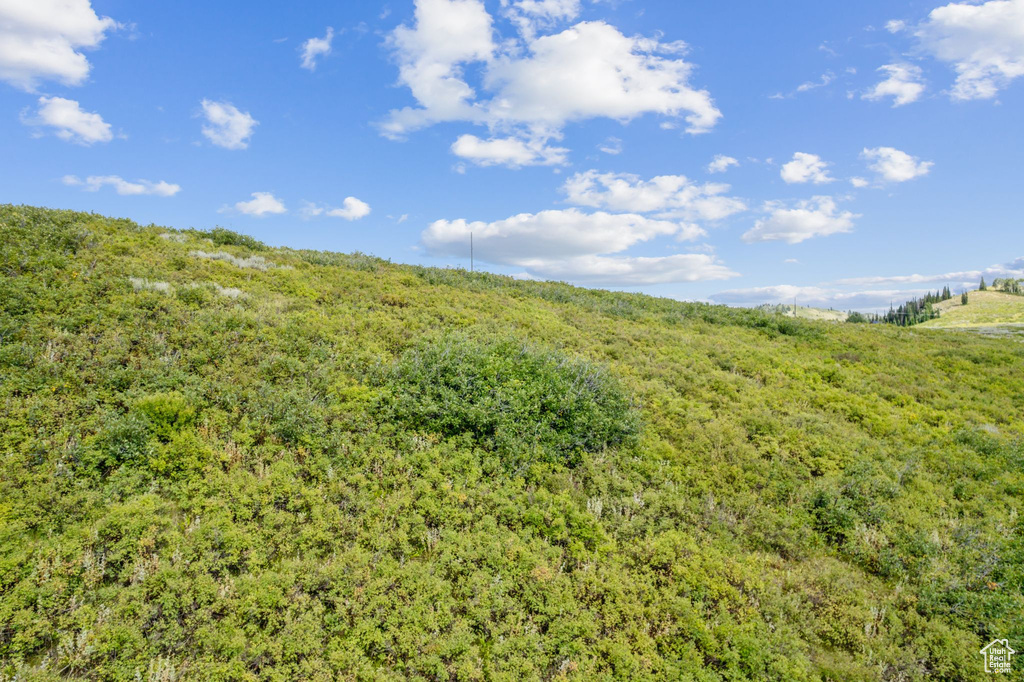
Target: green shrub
x: 224, y: 237
x: 125, y: 440
x: 194, y: 296
x: 523, y: 402
x: 857, y: 318
x: 166, y: 413
x: 183, y: 453
x: 833, y: 516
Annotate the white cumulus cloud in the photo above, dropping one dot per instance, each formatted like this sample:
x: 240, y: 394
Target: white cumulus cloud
x: 261, y: 204
x: 806, y: 168
x: 635, y: 271
x: 817, y: 297
x: 903, y: 84
x: 508, y: 151
x: 574, y: 245
x: 316, y: 47
x: 545, y: 235
x: 533, y: 85
x: 447, y: 34
x: 669, y: 195
x: 533, y: 15
x: 44, y: 39
x: 592, y: 70
x: 965, y: 278
x: 817, y: 217
x: 226, y: 126
x: 721, y: 163
x: 123, y: 187
x: 69, y: 122
x: 983, y: 42
x: 351, y: 209
x: 865, y: 293
x: 894, y: 165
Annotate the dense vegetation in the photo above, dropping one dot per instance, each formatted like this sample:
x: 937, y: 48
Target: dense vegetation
x: 222, y: 461
x: 985, y: 311
x: 914, y: 311
x: 805, y: 312
x: 1009, y: 285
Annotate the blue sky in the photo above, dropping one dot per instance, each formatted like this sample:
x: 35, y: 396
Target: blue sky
x: 865, y: 153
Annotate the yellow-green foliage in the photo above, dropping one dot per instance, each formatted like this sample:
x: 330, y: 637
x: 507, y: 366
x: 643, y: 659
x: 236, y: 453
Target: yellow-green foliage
x: 359, y: 470
x: 984, y: 308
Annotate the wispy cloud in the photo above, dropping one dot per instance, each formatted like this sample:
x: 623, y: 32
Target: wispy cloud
x: 315, y: 48
x: 123, y: 187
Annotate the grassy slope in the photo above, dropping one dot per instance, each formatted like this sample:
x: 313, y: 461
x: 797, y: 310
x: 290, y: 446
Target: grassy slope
x: 983, y: 309
x: 807, y: 312
x: 808, y: 501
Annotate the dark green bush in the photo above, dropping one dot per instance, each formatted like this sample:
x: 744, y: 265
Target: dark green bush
x: 155, y: 434
x: 123, y: 440
x: 833, y: 516
x: 224, y: 237
x: 525, y: 403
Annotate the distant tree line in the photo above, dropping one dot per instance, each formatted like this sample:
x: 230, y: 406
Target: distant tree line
x: 1009, y: 285
x: 914, y: 311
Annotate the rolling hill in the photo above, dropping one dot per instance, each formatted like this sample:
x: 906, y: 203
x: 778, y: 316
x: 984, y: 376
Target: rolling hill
x: 805, y: 312
x: 983, y: 309
x: 225, y: 461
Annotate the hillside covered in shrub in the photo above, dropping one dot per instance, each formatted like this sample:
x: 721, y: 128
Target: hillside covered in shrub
x: 224, y: 461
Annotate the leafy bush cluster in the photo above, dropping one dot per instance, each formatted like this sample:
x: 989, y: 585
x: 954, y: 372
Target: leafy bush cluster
x: 355, y: 472
x: 523, y: 402
x: 155, y: 435
x: 221, y: 236
x: 1008, y: 285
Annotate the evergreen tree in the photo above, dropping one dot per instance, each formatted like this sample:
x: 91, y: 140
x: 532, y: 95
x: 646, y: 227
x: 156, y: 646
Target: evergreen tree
x: 963, y: 298
x: 982, y: 287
